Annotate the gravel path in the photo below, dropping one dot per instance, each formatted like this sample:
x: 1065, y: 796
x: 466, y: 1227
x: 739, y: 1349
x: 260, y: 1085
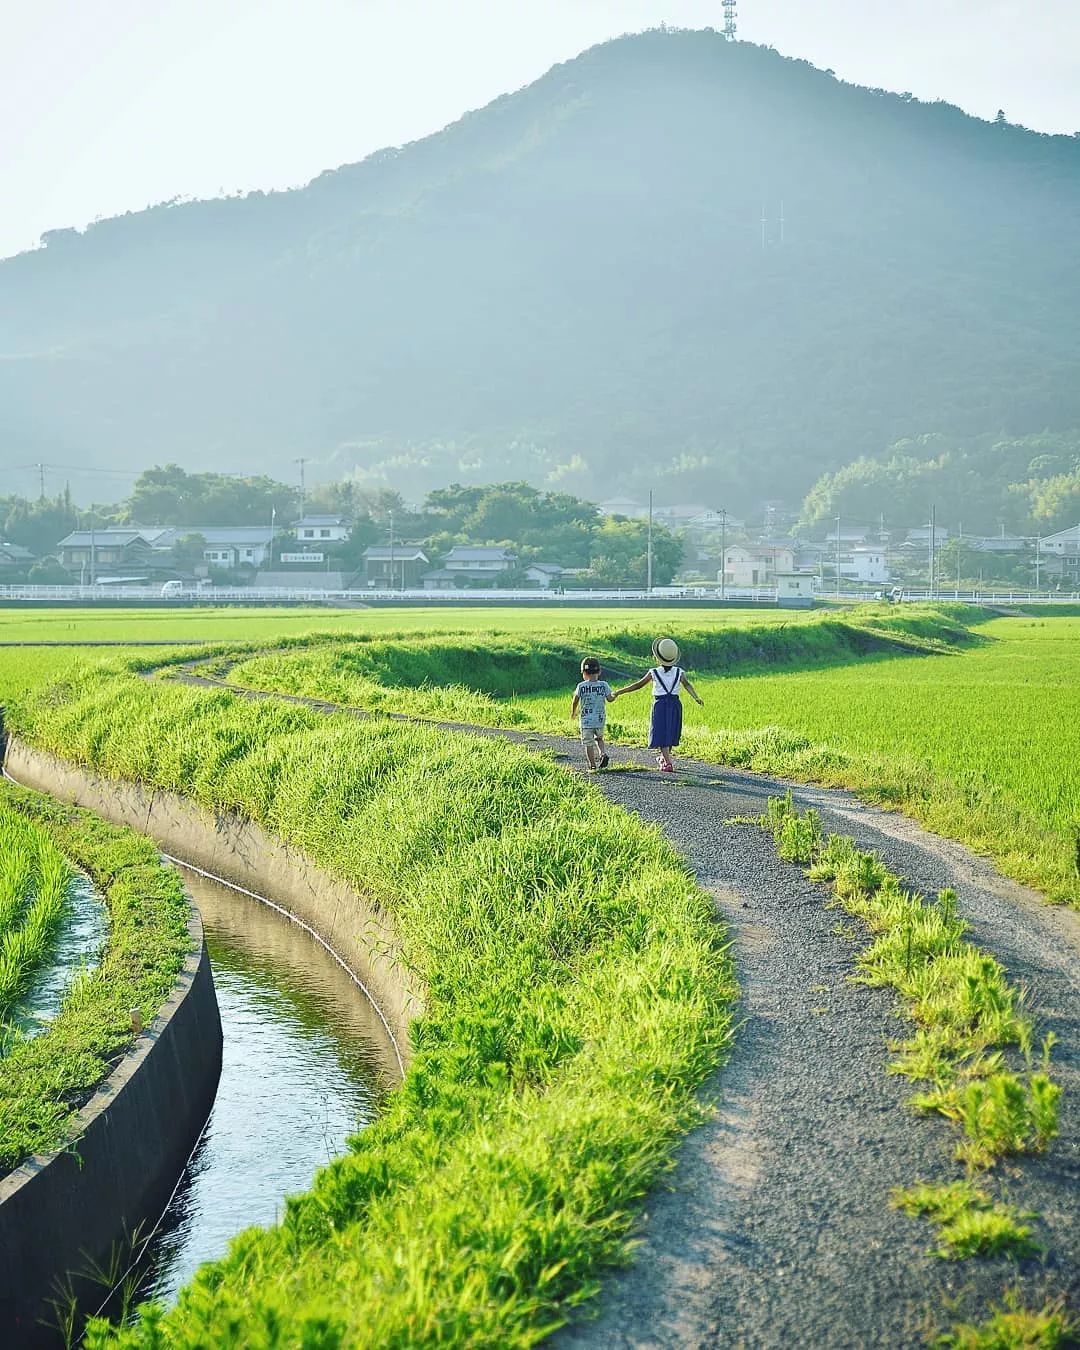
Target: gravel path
x: 775, y: 1228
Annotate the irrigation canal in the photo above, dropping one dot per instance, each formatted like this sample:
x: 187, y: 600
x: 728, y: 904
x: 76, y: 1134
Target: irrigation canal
x: 306, y: 1060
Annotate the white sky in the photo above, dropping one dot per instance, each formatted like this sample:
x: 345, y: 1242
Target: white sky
x: 109, y: 105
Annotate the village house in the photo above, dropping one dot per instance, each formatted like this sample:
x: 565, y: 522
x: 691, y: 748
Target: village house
x: 1060, y: 554
x: 543, y: 574
x: 14, y: 558
x: 749, y: 565
x: 866, y: 563
x: 401, y: 566
x: 227, y: 546
x: 108, y: 552
x: 321, y: 529
x: 467, y: 566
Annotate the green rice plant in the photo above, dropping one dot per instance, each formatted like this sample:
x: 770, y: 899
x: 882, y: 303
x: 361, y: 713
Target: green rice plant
x: 970, y: 1222
x: 42, y: 1079
x: 34, y: 880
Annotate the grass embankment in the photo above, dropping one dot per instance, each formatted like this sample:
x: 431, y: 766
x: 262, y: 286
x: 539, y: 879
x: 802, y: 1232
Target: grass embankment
x: 483, y: 679
x: 967, y: 1018
x: 34, y: 880
x: 981, y: 743
x: 43, y: 1080
x: 579, y: 990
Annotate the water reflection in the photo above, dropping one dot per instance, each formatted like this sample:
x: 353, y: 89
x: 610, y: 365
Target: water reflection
x: 305, y: 1061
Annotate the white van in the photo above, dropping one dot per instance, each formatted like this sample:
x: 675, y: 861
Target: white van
x: 172, y: 589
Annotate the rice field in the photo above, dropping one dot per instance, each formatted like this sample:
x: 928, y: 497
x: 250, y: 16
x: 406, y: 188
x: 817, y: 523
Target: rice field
x: 34, y: 881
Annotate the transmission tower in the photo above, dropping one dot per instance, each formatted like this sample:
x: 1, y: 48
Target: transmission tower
x: 729, y: 19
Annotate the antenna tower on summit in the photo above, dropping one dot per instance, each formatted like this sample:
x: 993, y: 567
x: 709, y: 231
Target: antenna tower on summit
x: 729, y: 19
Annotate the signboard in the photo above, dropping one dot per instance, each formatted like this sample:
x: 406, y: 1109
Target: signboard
x: 303, y: 557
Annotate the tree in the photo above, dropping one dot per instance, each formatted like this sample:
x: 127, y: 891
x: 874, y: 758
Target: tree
x: 169, y: 495
x: 39, y: 525
x: 620, y: 554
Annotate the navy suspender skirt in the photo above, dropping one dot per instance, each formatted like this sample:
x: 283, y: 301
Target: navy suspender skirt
x: 666, y: 727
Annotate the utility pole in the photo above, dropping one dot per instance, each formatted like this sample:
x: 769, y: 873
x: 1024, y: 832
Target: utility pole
x: 648, y: 552
x: 41, y: 482
x: 723, y: 554
x: 933, y: 547
x: 93, y: 551
x: 838, y: 557
x: 391, y: 550
x: 273, y: 522
x: 730, y: 12
x: 301, y: 460
x: 1038, y: 561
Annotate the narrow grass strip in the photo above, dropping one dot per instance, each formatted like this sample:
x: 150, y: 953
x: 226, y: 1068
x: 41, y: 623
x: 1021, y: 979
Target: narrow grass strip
x: 34, y: 881
x: 579, y: 991
x: 44, y: 1079
x: 966, y: 1017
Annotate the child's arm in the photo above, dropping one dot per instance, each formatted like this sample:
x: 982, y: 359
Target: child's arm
x: 574, y: 705
x: 692, y: 691
x: 638, y: 684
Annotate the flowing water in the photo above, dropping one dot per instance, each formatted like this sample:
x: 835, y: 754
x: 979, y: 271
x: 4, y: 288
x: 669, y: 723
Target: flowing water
x: 305, y: 1062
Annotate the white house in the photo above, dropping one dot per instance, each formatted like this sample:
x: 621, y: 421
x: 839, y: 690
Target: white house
x: 866, y: 563
x: 1062, y: 553
x: 322, y: 529
x: 226, y: 546
x: 756, y: 564
x: 795, y: 590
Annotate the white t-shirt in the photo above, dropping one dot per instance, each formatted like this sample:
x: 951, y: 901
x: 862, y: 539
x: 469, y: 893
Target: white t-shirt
x: 665, y: 681
x: 592, y: 696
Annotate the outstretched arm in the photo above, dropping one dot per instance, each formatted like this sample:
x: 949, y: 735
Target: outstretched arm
x: 638, y: 684
x: 692, y: 691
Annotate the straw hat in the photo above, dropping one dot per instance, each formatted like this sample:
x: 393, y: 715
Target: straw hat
x: 666, y: 651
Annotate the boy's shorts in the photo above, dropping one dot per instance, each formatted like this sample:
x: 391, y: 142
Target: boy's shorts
x: 590, y: 735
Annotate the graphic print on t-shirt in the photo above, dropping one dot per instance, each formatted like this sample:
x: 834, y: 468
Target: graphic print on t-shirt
x: 592, y: 696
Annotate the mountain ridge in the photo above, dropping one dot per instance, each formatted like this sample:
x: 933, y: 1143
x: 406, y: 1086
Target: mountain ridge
x: 569, y: 285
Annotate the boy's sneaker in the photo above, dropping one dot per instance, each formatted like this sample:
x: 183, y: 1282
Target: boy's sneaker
x: 667, y: 768
x: 605, y: 760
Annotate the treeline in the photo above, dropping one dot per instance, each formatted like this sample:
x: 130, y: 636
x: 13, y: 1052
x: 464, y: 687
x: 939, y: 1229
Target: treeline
x: 537, y: 526
x: 1026, y: 485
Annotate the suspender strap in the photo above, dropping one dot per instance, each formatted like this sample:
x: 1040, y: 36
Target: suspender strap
x: 676, y: 671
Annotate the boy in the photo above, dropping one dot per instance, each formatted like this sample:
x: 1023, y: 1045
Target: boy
x: 591, y: 696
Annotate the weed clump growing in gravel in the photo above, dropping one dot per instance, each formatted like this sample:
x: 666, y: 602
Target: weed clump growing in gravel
x: 970, y: 1222
x: 1014, y: 1327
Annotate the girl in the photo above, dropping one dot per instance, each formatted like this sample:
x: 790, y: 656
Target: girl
x: 666, y: 677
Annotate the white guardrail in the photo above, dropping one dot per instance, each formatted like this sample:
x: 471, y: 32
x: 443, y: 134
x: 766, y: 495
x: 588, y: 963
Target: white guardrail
x: 217, y: 595
x: 366, y: 596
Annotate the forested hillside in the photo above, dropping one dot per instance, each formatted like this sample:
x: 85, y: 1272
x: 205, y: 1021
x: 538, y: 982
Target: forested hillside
x: 570, y: 286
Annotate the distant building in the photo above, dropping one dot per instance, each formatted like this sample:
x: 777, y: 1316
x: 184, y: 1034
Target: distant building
x: 401, y: 566
x: 544, y: 574
x: 13, y: 557
x: 748, y: 565
x: 866, y: 563
x: 1060, y: 554
x: 920, y: 538
x: 622, y: 506
x: 849, y: 534
x: 106, y: 551
x: 995, y: 543
x: 795, y: 590
x: 227, y: 546
x: 322, y: 529
x: 478, y: 564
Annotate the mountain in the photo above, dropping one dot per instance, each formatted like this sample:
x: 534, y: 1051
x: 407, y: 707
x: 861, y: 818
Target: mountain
x: 571, y: 286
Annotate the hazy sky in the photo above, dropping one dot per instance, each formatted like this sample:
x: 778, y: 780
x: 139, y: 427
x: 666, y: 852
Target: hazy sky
x: 109, y: 105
